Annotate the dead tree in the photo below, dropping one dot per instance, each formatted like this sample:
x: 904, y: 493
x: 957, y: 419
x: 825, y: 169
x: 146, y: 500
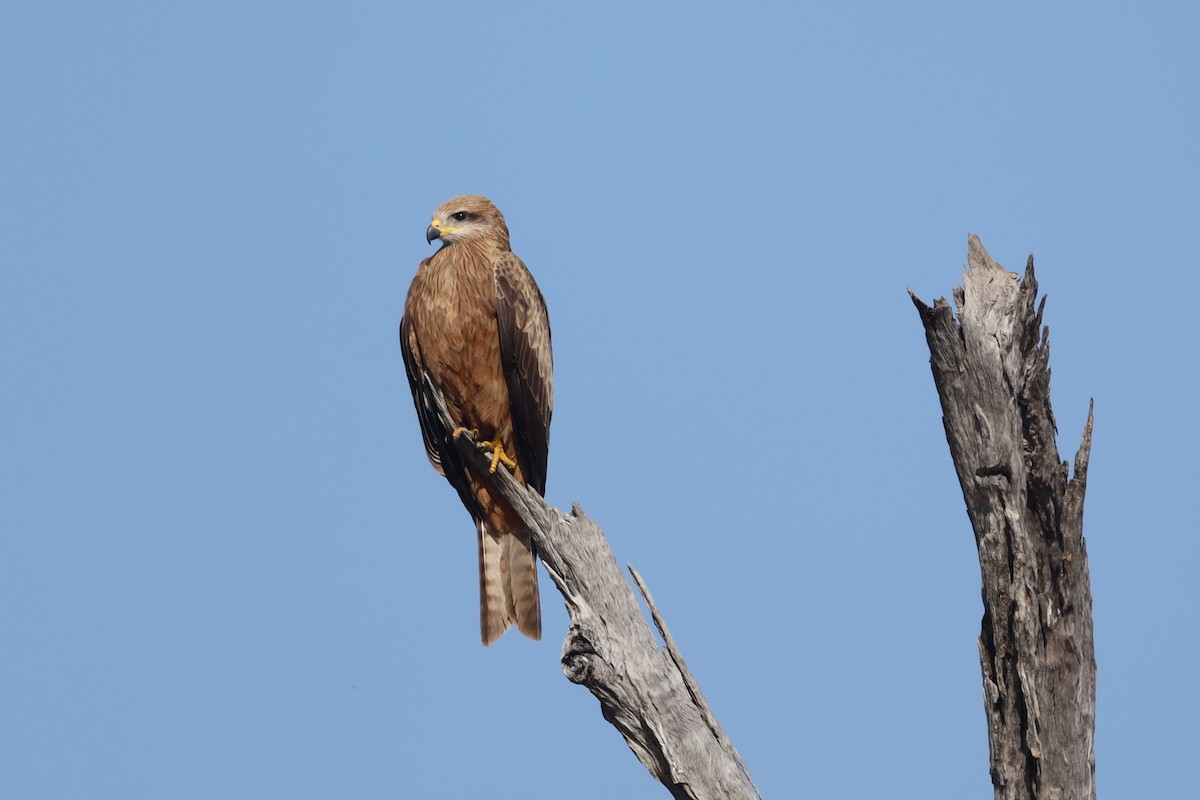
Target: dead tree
x: 991, y: 369
x: 645, y: 690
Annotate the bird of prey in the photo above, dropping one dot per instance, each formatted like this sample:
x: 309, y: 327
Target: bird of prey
x: 475, y: 326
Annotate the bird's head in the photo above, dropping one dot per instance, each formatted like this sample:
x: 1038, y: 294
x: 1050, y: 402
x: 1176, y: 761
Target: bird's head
x: 467, y: 218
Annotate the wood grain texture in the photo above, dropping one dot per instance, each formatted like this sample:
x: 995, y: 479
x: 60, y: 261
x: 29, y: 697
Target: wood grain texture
x: 645, y: 690
x: 991, y: 368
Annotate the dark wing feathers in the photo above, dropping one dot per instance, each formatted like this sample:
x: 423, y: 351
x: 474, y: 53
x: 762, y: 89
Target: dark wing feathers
x: 432, y: 431
x: 524, y: 329
x: 439, y: 443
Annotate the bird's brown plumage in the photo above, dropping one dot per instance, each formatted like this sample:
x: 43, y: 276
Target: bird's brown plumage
x: 475, y: 325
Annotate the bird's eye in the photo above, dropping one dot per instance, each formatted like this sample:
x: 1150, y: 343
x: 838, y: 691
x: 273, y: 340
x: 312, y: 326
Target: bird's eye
x: 460, y: 215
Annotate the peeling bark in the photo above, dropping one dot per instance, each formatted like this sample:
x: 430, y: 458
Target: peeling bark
x: 991, y: 369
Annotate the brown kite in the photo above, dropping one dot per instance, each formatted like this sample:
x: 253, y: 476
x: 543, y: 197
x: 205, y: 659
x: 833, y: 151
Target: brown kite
x: 475, y: 326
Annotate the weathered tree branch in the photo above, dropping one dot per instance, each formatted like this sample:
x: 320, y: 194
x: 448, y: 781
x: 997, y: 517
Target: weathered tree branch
x: 645, y: 691
x: 991, y: 369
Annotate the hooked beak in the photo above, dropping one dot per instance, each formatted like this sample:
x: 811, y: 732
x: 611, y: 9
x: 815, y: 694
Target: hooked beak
x: 432, y: 232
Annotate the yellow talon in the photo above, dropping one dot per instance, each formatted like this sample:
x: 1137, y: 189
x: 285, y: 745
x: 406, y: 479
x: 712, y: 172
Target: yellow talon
x: 496, y: 448
x: 498, y: 456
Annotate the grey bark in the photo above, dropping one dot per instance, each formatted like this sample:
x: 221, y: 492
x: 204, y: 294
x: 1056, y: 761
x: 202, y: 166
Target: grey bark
x: 645, y: 691
x: 991, y: 369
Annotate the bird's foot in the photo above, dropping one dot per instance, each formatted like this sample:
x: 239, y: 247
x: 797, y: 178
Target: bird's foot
x: 460, y: 430
x: 498, y: 455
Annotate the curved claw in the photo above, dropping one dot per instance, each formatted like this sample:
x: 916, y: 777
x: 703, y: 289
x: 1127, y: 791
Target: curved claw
x: 498, y: 455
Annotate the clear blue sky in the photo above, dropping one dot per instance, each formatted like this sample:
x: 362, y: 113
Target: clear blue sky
x: 226, y: 568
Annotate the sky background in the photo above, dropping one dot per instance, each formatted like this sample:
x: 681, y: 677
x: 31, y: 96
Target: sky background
x: 226, y: 568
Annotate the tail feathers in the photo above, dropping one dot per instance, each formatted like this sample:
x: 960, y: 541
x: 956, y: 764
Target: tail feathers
x: 508, y: 584
x: 520, y: 563
x: 493, y: 610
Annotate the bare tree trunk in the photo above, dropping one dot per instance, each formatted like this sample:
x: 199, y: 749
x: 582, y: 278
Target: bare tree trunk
x: 991, y: 369
x: 645, y: 690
